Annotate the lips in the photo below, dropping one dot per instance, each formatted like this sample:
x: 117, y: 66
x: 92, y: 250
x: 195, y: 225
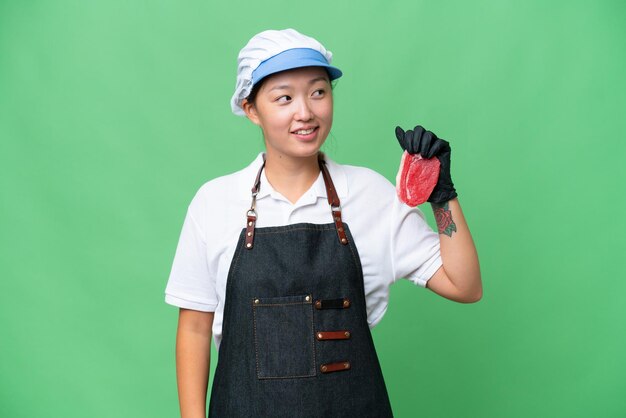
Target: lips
x: 305, y: 130
x: 306, y: 135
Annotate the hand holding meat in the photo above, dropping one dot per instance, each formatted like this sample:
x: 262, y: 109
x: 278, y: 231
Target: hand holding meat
x: 422, y: 177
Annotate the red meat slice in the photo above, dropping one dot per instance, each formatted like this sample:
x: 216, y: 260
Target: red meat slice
x: 416, y: 178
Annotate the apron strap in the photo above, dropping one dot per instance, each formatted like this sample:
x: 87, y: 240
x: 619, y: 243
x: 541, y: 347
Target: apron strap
x: 331, y: 193
x: 333, y: 201
x: 251, y: 214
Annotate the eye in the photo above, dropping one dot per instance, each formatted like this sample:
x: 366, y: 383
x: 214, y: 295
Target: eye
x: 283, y: 99
x: 318, y: 92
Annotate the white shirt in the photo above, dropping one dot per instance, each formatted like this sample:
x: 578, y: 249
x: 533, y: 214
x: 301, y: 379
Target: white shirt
x: 393, y: 240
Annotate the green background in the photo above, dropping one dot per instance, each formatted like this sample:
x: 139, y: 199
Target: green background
x: 113, y: 113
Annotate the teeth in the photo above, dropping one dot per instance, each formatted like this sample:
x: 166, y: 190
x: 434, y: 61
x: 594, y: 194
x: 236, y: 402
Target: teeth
x: 305, y: 132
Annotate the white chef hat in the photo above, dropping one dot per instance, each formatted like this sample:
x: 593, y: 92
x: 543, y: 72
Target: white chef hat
x: 272, y: 51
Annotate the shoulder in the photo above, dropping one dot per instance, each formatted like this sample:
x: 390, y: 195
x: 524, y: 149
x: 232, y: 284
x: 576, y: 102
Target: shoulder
x: 363, y: 180
x: 217, y: 199
x: 229, y: 187
x: 218, y: 188
x: 365, y: 175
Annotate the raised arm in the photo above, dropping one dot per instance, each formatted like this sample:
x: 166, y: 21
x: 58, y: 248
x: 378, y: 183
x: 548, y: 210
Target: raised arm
x: 459, y: 277
x: 193, y: 352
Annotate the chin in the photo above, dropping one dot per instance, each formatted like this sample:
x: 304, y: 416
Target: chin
x: 309, y: 151
x: 302, y: 151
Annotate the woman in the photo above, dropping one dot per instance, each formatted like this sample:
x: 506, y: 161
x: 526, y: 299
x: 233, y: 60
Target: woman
x: 288, y: 262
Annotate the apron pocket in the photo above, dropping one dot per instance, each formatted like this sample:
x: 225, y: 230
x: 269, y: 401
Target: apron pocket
x: 283, y: 337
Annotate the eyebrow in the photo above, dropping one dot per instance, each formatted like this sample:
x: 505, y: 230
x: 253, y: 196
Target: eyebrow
x: 286, y: 86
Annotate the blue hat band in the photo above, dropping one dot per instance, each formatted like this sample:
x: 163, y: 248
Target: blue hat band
x: 293, y: 58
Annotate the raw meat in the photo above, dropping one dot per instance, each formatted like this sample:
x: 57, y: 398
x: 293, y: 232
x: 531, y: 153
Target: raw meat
x: 416, y: 178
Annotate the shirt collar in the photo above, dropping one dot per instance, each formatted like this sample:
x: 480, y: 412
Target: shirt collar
x: 248, y: 175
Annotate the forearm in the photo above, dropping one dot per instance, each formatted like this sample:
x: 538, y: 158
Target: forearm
x: 193, y: 350
x: 458, y: 253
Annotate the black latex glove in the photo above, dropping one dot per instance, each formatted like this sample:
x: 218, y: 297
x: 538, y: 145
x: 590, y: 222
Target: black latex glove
x: 426, y: 143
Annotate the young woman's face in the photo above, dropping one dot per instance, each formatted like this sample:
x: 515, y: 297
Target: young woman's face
x: 294, y: 109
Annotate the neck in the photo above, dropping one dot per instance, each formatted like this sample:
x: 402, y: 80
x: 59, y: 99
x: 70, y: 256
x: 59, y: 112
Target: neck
x: 291, y: 177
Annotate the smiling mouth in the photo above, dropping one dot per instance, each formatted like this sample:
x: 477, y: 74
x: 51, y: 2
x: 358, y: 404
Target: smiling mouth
x: 305, y: 131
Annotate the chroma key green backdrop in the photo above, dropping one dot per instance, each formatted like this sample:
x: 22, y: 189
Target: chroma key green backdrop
x: 113, y: 113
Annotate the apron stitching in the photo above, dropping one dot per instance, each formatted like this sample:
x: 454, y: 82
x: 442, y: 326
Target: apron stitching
x: 285, y: 377
x: 359, y: 268
x: 228, y: 282
x: 256, y: 344
x: 294, y: 229
x: 313, y: 340
x: 238, y: 255
x: 280, y: 304
x: 357, y: 265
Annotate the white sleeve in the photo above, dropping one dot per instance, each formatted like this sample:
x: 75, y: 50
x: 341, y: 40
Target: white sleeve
x: 190, y: 285
x: 415, y: 252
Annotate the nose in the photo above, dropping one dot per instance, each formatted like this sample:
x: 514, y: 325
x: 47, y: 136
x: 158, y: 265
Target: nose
x: 303, y: 110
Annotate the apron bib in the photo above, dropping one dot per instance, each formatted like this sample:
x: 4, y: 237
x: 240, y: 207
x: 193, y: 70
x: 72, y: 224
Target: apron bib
x: 295, y: 340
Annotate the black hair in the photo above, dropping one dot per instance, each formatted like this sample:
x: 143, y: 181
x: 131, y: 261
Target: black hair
x: 255, y: 89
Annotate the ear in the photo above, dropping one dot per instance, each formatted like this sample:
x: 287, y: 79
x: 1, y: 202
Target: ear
x: 251, y: 111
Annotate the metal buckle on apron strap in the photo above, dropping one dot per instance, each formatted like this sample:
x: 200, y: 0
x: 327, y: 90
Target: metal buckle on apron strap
x: 250, y: 223
x: 336, y: 211
x: 251, y: 213
x: 333, y: 201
